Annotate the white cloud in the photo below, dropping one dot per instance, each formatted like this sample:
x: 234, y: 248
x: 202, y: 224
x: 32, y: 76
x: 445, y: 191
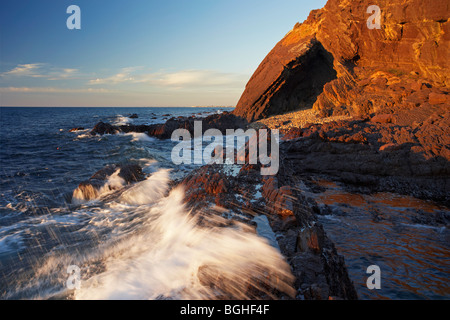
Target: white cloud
x: 186, y: 80
x: 133, y: 86
x: 51, y: 90
x: 117, y: 78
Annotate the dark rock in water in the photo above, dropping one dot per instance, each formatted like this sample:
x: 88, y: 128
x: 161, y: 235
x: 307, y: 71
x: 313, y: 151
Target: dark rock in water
x: 76, y: 129
x: 221, y: 122
x: 90, y: 189
x: 133, y: 116
x: 102, y: 128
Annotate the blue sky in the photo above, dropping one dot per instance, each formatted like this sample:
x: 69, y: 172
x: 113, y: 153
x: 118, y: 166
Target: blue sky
x: 138, y: 52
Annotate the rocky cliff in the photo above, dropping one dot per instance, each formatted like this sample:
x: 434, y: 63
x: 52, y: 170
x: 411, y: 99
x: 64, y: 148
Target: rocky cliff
x: 334, y: 63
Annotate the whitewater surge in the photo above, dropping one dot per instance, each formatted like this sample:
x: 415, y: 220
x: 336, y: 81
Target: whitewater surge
x: 150, y: 247
x: 89, y: 192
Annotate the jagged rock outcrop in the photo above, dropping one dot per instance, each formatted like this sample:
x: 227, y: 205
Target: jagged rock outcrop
x: 394, y: 79
x: 101, y: 181
x: 334, y: 62
x: 222, y: 122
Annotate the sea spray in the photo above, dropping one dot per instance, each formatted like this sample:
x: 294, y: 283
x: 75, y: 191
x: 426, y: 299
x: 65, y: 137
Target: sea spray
x: 173, y: 257
x: 121, y: 120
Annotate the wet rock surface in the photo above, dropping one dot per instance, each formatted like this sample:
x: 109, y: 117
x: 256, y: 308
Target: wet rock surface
x: 129, y: 173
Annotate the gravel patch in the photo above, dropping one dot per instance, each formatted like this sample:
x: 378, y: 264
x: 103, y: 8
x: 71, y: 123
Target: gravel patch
x: 296, y: 119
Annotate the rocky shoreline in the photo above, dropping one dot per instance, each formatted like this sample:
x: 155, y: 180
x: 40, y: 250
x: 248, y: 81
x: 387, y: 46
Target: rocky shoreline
x: 369, y: 109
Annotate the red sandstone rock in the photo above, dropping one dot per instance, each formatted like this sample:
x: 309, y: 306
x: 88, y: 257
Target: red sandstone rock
x: 333, y: 62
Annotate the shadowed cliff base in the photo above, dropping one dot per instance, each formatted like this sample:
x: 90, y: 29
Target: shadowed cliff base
x: 370, y: 156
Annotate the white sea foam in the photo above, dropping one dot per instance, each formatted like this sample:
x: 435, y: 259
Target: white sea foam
x: 112, y: 183
x: 232, y: 169
x: 84, y: 136
x: 264, y: 230
x: 11, y: 242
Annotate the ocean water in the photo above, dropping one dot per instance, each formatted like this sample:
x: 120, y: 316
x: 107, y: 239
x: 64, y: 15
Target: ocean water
x: 137, y: 242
